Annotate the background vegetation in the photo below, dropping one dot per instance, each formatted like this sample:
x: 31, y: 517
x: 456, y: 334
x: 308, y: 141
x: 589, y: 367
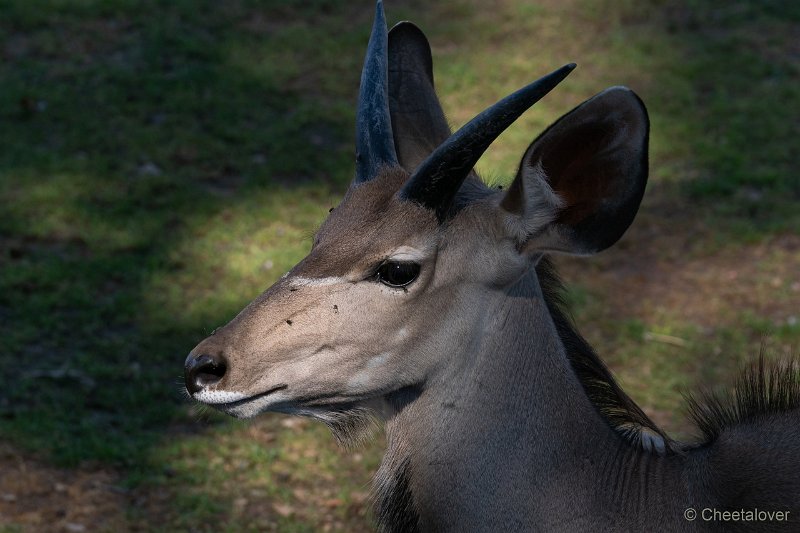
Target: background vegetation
x: 162, y: 162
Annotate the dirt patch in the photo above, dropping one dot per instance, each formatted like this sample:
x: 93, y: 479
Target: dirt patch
x: 298, y: 486
x: 663, y: 266
x: 36, y: 497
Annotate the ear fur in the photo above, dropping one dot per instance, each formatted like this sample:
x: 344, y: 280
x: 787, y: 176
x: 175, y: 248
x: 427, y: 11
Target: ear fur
x: 418, y: 122
x: 580, y: 182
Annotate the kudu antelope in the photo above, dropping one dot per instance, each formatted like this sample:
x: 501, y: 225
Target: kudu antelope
x: 427, y: 302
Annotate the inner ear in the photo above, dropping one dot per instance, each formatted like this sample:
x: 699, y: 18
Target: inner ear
x: 595, y: 160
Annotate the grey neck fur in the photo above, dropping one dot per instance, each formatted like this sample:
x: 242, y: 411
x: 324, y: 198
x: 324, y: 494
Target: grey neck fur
x: 507, y: 415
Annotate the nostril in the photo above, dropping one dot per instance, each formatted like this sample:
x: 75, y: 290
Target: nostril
x: 210, y: 371
x: 204, y: 370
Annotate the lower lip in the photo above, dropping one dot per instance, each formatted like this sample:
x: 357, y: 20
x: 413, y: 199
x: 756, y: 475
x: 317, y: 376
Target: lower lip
x: 241, y: 401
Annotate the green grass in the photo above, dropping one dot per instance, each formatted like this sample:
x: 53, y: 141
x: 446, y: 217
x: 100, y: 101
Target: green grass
x: 270, y: 466
x: 144, y: 174
x: 161, y: 163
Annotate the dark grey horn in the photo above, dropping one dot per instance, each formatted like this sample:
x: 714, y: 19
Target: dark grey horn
x: 437, y: 179
x: 374, y: 141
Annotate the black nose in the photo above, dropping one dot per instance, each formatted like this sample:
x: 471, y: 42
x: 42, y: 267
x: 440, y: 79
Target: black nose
x: 203, y: 370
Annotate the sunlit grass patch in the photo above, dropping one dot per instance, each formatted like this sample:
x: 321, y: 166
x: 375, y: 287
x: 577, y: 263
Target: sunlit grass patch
x: 163, y: 163
x: 661, y: 358
x: 274, y: 474
x: 229, y: 257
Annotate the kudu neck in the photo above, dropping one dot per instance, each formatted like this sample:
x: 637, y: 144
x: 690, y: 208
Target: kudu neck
x: 506, y: 417
x: 512, y: 369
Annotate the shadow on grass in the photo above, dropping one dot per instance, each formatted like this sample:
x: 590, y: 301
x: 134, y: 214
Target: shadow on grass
x: 725, y: 96
x: 714, y: 243
x: 160, y: 163
x: 124, y: 132
x: 719, y: 79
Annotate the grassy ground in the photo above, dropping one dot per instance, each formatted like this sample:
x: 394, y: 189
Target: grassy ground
x: 161, y: 163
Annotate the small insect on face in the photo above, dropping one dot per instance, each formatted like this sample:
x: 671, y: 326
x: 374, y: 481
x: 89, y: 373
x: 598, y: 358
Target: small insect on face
x: 402, y: 273
x: 339, y: 331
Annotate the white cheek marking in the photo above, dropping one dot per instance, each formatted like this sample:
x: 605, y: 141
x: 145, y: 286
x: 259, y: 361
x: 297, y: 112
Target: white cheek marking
x: 300, y: 281
x: 358, y: 382
x: 377, y: 361
x: 217, y: 396
x: 363, y: 379
x: 402, y: 334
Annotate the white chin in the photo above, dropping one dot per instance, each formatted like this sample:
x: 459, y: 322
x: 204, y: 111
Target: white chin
x: 237, y: 404
x: 247, y: 409
x: 212, y: 397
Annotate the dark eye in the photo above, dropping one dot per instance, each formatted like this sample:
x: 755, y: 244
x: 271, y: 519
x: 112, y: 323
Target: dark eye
x: 395, y: 274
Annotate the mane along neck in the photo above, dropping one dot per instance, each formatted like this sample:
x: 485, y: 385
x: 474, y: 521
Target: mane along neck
x: 616, y: 407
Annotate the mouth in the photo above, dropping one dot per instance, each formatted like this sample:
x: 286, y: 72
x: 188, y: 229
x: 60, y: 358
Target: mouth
x: 325, y: 407
x: 238, y: 405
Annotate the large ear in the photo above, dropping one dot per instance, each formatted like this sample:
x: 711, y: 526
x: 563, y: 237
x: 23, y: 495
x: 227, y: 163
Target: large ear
x: 580, y: 182
x: 418, y: 122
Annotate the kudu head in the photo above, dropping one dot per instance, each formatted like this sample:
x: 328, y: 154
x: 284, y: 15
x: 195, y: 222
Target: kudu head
x: 396, y: 282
